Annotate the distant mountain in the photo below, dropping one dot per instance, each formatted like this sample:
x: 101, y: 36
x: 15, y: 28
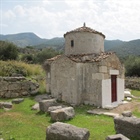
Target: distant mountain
x: 23, y: 39
x: 56, y: 43
x: 122, y: 48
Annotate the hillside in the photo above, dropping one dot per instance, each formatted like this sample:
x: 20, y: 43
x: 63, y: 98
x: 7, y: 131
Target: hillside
x: 23, y: 39
x: 122, y: 48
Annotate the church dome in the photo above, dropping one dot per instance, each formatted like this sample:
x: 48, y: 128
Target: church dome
x: 83, y: 40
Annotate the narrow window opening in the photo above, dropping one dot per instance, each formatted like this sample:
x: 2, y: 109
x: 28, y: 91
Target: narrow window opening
x: 72, y: 43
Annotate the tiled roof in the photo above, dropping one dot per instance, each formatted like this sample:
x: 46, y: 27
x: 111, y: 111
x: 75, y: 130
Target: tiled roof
x: 84, y: 29
x: 53, y: 58
x: 85, y: 58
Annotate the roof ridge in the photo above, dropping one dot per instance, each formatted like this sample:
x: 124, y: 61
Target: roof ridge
x: 84, y: 29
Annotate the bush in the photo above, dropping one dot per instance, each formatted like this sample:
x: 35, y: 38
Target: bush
x: 8, y: 51
x: 7, y: 68
x: 45, y: 54
x: 28, y: 58
x: 132, y: 66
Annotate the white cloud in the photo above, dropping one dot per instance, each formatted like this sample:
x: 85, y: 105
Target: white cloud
x: 19, y: 10
x: 51, y: 18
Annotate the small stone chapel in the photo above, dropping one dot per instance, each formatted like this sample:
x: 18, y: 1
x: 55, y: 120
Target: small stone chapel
x: 85, y: 73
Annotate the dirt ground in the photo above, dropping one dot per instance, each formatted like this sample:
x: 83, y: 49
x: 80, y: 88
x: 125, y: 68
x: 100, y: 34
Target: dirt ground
x: 133, y: 105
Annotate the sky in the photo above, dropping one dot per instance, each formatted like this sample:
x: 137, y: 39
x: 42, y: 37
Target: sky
x: 116, y: 19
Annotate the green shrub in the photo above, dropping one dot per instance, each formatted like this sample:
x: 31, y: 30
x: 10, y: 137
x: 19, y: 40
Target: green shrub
x: 8, y: 51
x: 45, y: 54
x: 132, y: 66
x: 28, y: 58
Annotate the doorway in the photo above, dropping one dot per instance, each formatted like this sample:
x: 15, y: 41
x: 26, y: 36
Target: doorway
x: 114, y: 88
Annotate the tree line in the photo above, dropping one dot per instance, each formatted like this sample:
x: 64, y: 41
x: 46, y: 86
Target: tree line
x: 29, y: 54
x: 9, y: 51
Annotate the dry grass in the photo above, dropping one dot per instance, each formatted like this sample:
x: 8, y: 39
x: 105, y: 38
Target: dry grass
x: 7, y: 68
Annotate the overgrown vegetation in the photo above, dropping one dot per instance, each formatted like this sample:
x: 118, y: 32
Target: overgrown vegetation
x: 132, y: 65
x: 7, y: 68
x: 37, y: 56
x: 33, y: 72
x: 8, y: 51
x: 29, y: 54
x: 45, y: 54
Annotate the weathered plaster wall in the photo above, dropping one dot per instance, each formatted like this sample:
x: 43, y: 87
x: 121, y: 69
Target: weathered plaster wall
x: 85, y: 82
x: 89, y: 86
x: 63, y: 80
x: 112, y: 63
x: 11, y: 87
x: 84, y: 43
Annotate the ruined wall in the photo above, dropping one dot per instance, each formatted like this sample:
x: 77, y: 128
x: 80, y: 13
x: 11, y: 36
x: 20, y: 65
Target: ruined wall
x: 84, y: 43
x: 11, y: 87
x: 128, y: 126
x: 132, y: 82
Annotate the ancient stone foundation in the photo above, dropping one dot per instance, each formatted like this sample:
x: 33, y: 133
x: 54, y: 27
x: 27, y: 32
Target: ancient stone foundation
x: 63, y: 131
x: 132, y: 82
x: 12, y: 87
x: 128, y: 126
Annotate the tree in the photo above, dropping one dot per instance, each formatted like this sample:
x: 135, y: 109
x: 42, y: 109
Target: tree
x: 28, y: 58
x: 132, y: 66
x: 45, y: 54
x: 8, y: 51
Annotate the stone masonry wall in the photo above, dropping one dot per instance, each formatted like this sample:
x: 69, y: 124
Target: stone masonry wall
x: 84, y: 43
x: 11, y: 87
x: 132, y: 82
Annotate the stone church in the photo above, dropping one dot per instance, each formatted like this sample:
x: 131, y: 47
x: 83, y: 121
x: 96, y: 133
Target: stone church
x: 85, y: 73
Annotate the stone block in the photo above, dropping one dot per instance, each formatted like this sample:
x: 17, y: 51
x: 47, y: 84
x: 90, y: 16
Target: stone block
x: 127, y: 94
x: 98, y: 76
x: 14, y: 86
x: 34, y: 92
x: 128, y: 99
x: 7, y: 105
x: 128, y: 126
x: 117, y: 137
x: 63, y: 131
x: 25, y: 85
x: 127, y: 114
x: 45, y: 104
x: 18, y: 100
x: 3, y: 86
x: 2, y: 93
x: 34, y: 86
x: 24, y: 93
x: 14, y: 94
x: 35, y: 106
x: 103, y: 69
x: 53, y: 108
x: 62, y: 114
x: 7, y: 94
x: 1, y: 105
